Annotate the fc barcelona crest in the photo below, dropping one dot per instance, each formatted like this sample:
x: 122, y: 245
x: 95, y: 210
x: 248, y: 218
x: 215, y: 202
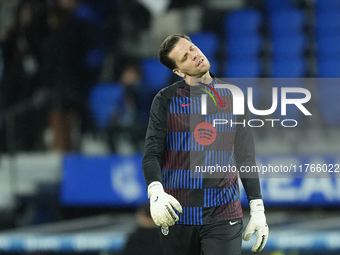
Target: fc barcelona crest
x: 224, y: 104
x: 165, y: 230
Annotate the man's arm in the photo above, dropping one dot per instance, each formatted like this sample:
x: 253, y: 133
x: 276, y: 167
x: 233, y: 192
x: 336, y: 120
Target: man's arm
x: 161, y: 203
x: 155, y: 140
x: 245, y: 157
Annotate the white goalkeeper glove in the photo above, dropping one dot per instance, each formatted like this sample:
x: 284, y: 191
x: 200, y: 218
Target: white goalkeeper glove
x: 161, y: 205
x: 257, y: 223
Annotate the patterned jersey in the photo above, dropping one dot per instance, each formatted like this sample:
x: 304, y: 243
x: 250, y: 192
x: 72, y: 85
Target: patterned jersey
x: 191, y: 152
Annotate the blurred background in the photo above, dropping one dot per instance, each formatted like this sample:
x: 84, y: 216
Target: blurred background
x: 77, y: 78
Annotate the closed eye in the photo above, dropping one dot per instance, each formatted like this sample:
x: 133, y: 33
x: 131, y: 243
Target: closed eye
x: 186, y: 54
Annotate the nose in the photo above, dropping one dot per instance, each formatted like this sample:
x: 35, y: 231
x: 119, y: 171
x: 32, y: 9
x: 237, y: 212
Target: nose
x: 194, y: 55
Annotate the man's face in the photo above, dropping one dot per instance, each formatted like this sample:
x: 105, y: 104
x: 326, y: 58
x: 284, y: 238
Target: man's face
x: 190, y: 61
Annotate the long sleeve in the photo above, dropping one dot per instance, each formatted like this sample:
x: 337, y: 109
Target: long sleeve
x: 245, y: 156
x: 155, y: 140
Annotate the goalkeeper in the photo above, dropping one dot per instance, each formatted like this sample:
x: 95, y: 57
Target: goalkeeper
x: 198, y: 213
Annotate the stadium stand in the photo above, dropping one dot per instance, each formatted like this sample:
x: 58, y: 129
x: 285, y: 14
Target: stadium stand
x: 243, y: 44
x: 292, y: 45
x: 272, y: 5
x: 104, y: 98
x: 286, y: 21
x: 243, y: 22
x: 156, y: 75
x: 246, y: 68
x: 289, y: 68
x: 239, y: 47
x: 325, y: 5
x: 207, y: 42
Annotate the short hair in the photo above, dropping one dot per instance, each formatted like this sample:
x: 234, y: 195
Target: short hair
x: 167, y: 46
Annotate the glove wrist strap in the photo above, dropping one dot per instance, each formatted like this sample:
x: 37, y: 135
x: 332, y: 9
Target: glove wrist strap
x: 256, y: 205
x: 154, y: 187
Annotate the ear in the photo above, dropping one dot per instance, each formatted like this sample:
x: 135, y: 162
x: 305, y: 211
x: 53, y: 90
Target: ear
x: 179, y: 73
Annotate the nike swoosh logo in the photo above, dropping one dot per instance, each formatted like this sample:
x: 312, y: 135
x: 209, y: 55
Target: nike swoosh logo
x: 184, y: 105
x: 233, y: 223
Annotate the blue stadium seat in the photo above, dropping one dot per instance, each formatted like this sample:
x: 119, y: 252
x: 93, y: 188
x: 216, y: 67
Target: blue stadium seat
x: 327, y: 22
x: 328, y: 47
x: 285, y: 22
x: 329, y: 68
x: 327, y: 5
x: 329, y: 94
x: 243, y: 22
x: 85, y: 12
x: 155, y: 75
x: 246, y: 68
x: 104, y: 99
x: 207, y: 42
x: 289, y: 68
x: 273, y: 5
x: 288, y: 46
x: 244, y: 46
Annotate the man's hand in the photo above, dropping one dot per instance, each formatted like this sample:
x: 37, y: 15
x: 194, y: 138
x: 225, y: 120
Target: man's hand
x: 257, y: 223
x: 161, y: 205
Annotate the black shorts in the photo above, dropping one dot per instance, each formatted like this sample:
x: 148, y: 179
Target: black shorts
x: 213, y: 239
